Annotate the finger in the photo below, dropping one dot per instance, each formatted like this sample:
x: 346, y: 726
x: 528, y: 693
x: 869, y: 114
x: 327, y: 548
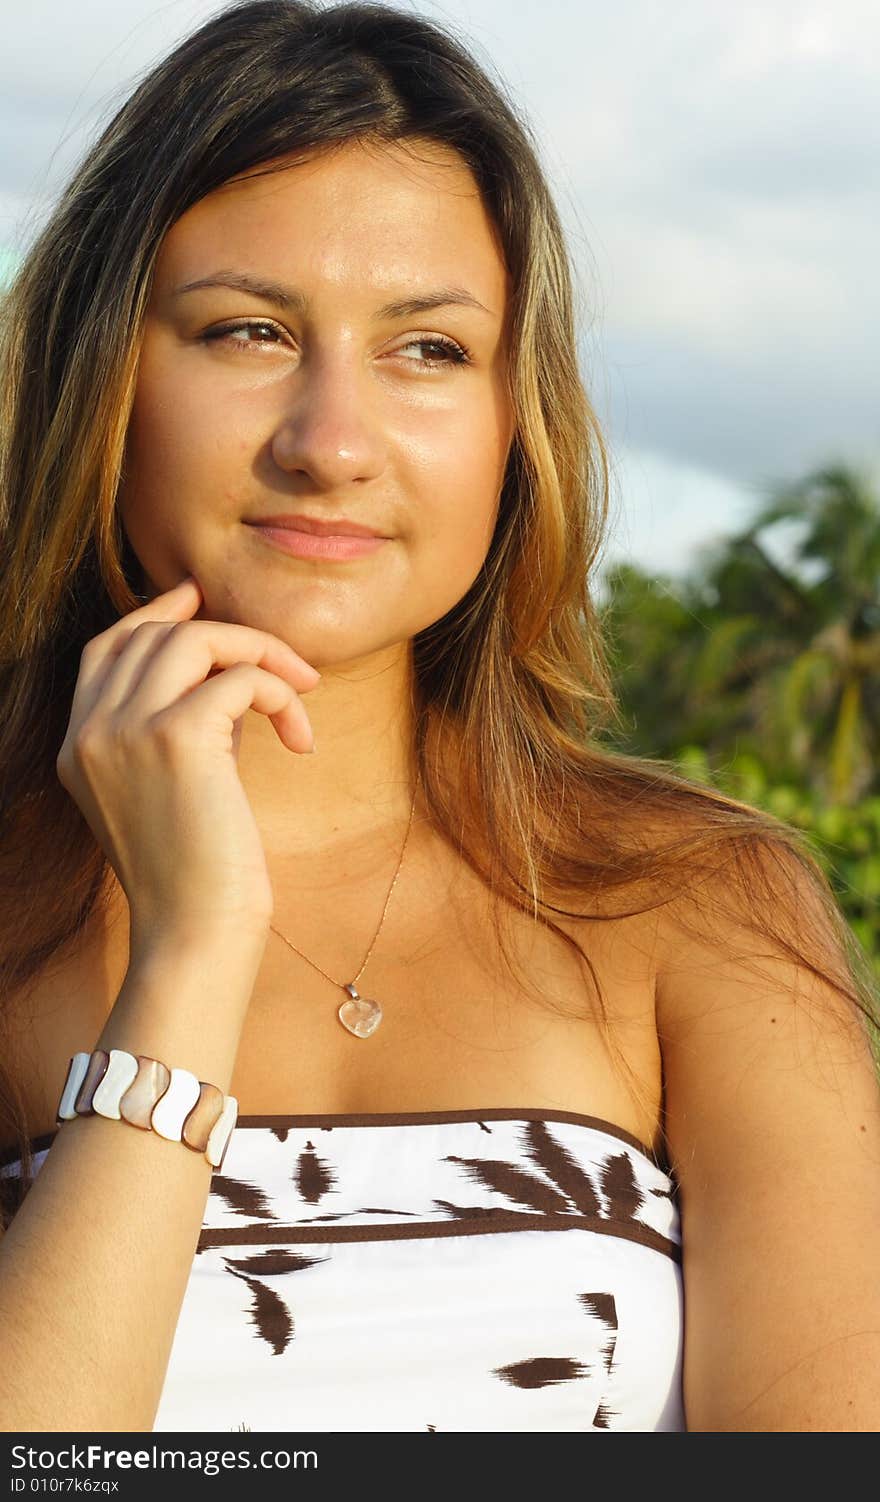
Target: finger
x: 220, y: 702
x: 190, y: 652
x: 230, y: 642
x: 98, y: 653
x: 182, y: 600
x: 124, y: 659
x: 113, y: 683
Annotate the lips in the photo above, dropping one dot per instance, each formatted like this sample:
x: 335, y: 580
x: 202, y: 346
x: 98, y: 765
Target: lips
x: 318, y: 527
x: 329, y: 546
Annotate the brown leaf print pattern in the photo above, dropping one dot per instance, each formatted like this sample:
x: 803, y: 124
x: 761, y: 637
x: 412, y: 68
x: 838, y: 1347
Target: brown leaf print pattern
x: 544, y: 1371
x: 559, y: 1165
x: 602, y: 1305
x: 541, y: 1371
x: 269, y: 1263
x: 515, y: 1183
x: 468, y: 1212
x: 578, y: 1194
x: 269, y: 1313
x: 314, y: 1220
x: 243, y: 1198
x: 602, y: 1417
x: 313, y: 1177
x: 620, y: 1188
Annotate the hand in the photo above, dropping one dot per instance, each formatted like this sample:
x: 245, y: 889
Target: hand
x: 151, y: 758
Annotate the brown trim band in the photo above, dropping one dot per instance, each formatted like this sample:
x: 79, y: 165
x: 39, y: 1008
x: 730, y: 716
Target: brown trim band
x: 416, y: 1118
x: 406, y: 1118
x: 503, y: 1222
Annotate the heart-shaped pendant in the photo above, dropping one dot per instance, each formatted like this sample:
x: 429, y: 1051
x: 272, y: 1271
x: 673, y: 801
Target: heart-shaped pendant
x: 359, y: 1014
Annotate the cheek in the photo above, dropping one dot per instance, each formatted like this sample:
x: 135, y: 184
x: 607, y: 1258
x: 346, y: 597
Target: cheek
x: 174, y: 431
x: 464, y: 471
x: 164, y: 471
x: 181, y: 450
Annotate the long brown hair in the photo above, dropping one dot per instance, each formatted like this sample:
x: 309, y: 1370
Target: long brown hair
x: 512, y: 685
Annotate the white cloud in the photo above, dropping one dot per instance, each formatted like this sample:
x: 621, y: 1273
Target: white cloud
x: 664, y: 512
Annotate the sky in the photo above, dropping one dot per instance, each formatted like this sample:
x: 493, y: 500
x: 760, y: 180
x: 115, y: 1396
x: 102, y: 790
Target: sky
x: 716, y: 169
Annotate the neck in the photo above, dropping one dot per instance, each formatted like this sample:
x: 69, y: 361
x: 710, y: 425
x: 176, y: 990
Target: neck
x: 360, y: 781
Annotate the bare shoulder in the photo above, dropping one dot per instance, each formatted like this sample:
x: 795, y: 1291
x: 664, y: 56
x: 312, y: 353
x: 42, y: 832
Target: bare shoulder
x: 772, y: 1123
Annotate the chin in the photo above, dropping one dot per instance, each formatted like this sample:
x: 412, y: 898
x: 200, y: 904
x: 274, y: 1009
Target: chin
x: 314, y: 627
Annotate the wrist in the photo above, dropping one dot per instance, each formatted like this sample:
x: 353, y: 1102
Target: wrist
x: 144, y: 1092
x: 185, y: 1003
x: 188, y: 941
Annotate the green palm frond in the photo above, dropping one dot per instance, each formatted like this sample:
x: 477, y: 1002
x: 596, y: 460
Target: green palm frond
x: 847, y: 752
x: 721, y: 652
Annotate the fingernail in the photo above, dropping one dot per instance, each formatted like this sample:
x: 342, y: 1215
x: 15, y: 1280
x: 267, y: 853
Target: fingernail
x: 313, y: 750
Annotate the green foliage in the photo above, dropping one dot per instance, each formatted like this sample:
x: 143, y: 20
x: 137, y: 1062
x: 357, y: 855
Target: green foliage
x: 845, y: 840
x: 765, y: 681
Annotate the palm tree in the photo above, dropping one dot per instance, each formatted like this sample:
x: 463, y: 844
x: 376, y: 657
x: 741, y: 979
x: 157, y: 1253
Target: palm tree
x: 817, y: 647
x: 749, y: 655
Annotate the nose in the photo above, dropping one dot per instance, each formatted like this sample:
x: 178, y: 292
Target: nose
x: 330, y: 429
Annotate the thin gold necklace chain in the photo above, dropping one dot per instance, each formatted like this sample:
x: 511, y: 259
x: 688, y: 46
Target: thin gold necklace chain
x: 342, y: 984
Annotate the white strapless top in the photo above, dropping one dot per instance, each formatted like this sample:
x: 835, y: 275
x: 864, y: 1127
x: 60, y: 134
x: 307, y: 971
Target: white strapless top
x: 502, y: 1271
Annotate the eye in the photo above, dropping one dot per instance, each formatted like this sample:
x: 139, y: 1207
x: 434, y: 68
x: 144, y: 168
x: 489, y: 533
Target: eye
x: 255, y: 332
x: 226, y: 333
x: 446, y: 351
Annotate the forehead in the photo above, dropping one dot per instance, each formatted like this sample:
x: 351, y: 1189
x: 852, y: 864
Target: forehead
x: 373, y: 214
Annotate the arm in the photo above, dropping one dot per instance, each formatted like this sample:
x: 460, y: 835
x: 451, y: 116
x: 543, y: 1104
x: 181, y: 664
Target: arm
x: 95, y: 1263
x: 773, y: 1127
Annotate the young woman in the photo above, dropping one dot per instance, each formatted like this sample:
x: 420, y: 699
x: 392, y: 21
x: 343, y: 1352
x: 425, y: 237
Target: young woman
x: 467, y: 1054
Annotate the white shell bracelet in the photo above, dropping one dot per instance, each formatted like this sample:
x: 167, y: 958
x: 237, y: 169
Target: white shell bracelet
x: 145, y: 1093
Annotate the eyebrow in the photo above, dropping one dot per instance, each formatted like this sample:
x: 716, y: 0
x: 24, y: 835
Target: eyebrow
x: 291, y: 298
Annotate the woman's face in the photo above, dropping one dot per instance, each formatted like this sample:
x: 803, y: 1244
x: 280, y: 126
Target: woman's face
x: 306, y: 394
